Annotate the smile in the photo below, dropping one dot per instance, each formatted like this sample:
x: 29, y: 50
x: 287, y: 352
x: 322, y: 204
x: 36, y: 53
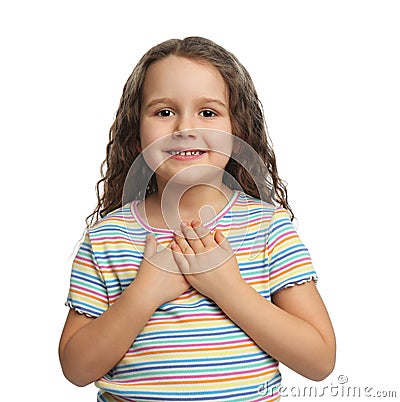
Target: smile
x: 186, y: 153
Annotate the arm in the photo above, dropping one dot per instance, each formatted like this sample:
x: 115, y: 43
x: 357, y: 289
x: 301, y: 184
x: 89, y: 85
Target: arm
x: 295, y: 329
x: 90, y: 347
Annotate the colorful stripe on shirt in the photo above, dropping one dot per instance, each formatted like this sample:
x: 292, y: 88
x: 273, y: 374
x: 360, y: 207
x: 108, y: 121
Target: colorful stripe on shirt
x: 190, y: 350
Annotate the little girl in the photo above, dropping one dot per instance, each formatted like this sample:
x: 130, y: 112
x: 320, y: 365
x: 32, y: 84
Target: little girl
x: 195, y: 284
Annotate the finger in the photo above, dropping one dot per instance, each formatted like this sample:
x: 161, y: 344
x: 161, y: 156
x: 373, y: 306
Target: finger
x: 192, y: 238
x: 175, y: 247
x: 203, y: 233
x: 150, y: 247
x: 179, y: 258
x: 222, y: 240
x: 183, y: 244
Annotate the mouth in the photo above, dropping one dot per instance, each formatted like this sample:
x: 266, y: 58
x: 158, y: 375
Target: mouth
x: 188, y: 152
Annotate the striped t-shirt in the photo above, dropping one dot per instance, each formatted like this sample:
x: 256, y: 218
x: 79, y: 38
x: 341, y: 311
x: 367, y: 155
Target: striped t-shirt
x: 190, y: 350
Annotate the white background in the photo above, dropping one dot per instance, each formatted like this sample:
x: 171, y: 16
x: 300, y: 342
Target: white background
x: 327, y: 73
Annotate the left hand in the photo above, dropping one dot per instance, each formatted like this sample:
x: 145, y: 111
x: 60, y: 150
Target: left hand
x: 206, y: 260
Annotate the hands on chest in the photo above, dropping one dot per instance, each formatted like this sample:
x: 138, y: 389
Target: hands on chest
x: 196, y: 257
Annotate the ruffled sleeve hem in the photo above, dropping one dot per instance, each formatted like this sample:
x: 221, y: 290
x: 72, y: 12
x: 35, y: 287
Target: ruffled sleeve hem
x: 311, y: 277
x: 79, y: 311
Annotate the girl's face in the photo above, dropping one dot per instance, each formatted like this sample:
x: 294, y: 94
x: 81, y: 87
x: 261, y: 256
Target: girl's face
x: 181, y: 95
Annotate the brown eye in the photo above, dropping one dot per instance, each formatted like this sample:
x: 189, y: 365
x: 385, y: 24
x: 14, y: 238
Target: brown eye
x: 165, y: 113
x: 207, y: 113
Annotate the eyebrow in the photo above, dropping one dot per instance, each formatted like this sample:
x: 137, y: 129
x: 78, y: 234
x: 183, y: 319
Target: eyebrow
x: 158, y: 101
x: 213, y: 100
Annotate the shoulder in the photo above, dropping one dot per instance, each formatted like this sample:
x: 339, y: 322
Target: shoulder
x: 117, y: 224
x: 251, y: 207
x: 114, y: 218
x: 116, y: 236
x: 253, y: 202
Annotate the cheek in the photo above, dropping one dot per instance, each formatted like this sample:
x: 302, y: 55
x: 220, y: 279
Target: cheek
x: 153, y: 148
x: 219, y: 159
x: 153, y: 156
x: 147, y: 137
x: 147, y: 132
x: 222, y: 143
x: 226, y: 124
x: 151, y: 132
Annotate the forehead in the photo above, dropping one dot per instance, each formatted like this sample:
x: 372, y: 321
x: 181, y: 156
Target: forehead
x: 180, y: 76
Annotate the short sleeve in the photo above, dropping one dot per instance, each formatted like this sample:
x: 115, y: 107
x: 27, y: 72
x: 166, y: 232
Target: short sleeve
x: 289, y: 259
x: 87, y: 293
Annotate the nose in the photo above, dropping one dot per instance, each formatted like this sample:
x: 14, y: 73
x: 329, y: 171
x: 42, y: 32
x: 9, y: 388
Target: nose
x: 184, y: 122
x: 184, y: 134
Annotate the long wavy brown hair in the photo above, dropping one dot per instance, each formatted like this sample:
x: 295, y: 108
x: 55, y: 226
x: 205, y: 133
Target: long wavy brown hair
x: 246, y: 113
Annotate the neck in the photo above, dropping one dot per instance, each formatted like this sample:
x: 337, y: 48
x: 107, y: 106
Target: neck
x: 182, y: 203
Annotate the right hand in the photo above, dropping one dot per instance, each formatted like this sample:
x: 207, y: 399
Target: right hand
x: 159, y: 275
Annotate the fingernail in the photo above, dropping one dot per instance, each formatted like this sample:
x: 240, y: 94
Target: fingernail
x: 196, y: 222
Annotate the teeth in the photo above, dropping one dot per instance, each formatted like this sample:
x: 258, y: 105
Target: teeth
x: 185, y: 153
